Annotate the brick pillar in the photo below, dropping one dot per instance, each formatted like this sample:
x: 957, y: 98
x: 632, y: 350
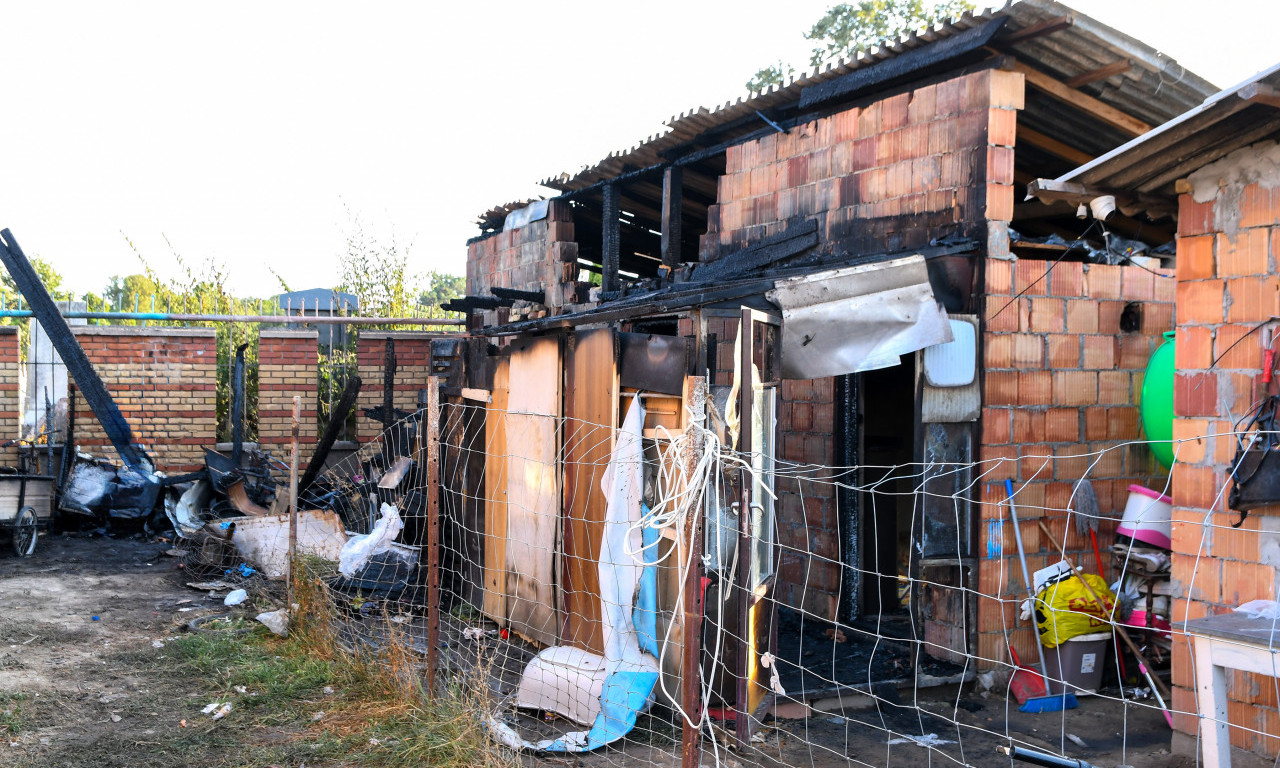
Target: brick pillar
x: 287, y: 366
x: 164, y: 381
x: 9, y: 372
x: 413, y: 367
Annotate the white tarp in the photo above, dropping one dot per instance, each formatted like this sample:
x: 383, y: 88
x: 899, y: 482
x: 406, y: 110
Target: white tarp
x: 857, y: 318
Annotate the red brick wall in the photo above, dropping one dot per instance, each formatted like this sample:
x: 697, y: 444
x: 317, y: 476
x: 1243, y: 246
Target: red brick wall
x: 164, y: 382
x: 413, y: 367
x: 540, y: 256
x: 9, y: 373
x: 287, y: 366
x: 884, y: 177
x: 1061, y: 386
x: 1227, y: 286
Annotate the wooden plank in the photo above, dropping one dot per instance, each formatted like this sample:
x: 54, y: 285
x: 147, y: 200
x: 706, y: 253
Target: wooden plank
x: 590, y: 415
x: 495, y: 505
x: 1046, y: 27
x: 533, y: 490
x: 672, y: 208
x: 1052, y: 145
x: 1081, y: 101
x: 1101, y: 73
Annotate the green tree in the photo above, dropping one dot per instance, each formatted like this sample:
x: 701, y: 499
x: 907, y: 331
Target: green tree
x: 849, y: 28
x: 442, y: 287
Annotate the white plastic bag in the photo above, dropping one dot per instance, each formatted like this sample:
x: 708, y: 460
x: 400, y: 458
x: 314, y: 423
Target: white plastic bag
x: 276, y: 621
x: 235, y: 597
x: 358, y: 549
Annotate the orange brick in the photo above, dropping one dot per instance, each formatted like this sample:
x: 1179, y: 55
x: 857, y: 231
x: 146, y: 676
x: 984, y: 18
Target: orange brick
x: 1002, y: 127
x: 1114, y: 388
x: 1102, y: 281
x: 1246, y: 254
x: 1251, y: 299
x: 1195, y: 258
x: 996, y: 429
x: 1082, y: 316
x: 1075, y: 388
x: 1242, y: 582
x: 1194, y: 348
x: 1095, y: 424
x: 1048, y: 315
x: 1029, y: 278
x: 1035, y: 388
x: 1099, y: 352
x: 1028, y: 426
x: 1063, y: 350
x: 1062, y: 425
x: 1189, y: 436
x: 1001, y: 387
x: 999, y: 277
x: 1232, y: 350
x: 1067, y: 279
x: 1200, y: 302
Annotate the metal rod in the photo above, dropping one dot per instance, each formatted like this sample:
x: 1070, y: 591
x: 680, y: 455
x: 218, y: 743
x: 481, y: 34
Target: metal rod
x: 293, y: 499
x: 1026, y: 575
x: 179, y: 317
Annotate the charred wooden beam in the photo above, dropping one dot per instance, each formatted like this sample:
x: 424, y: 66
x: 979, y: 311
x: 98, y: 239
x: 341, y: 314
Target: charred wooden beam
x: 792, y: 241
x: 1046, y: 27
x: 611, y: 237
x: 1052, y: 145
x: 64, y: 341
x: 1101, y: 73
x: 237, y: 406
x: 537, y: 297
x: 1082, y: 101
x: 337, y: 420
x: 672, y: 210
x: 903, y: 65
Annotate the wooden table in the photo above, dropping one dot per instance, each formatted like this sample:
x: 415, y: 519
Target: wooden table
x: 1223, y: 642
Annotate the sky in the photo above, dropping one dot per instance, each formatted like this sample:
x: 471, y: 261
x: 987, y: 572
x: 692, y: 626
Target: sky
x: 258, y: 135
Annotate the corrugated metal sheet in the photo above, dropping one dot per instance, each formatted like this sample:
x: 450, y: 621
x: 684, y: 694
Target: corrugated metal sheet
x: 1155, y: 89
x: 1151, y: 163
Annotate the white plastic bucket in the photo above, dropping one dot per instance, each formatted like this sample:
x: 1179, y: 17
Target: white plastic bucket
x: 1148, y: 517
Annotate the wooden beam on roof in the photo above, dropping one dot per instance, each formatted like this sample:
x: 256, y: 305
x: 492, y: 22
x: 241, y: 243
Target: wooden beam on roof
x: 672, y: 209
x: 611, y: 238
x: 1052, y: 145
x: 1260, y: 93
x: 1046, y: 27
x: 1101, y: 73
x: 1082, y: 101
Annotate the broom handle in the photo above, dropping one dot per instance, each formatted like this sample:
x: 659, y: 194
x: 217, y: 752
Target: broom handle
x: 1026, y: 575
x: 1133, y: 647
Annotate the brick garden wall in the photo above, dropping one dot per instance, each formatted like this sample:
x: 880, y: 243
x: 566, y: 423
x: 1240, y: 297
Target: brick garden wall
x: 287, y: 362
x: 164, y: 382
x: 540, y: 256
x: 1061, y: 380
x: 413, y: 367
x: 9, y: 372
x: 1227, y: 286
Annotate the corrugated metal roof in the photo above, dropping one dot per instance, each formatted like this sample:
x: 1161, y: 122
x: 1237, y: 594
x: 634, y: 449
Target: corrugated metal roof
x: 1154, y: 89
x: 1154, y: 161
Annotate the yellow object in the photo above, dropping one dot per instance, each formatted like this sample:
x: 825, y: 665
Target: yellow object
x: 1065, y: 609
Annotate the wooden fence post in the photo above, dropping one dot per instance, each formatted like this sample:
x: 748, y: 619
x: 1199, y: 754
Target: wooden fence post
x: 432, y: 440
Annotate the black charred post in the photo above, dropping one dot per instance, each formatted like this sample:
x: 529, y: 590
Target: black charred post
x: 337, y: 418
x: 672, y: 205
x: 536, y: 297
x: 389, y: 384
x: 611, y: 241
x: 237, y: 407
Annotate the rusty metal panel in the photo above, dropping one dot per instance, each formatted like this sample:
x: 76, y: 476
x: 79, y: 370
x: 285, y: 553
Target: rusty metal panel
x: 653, y: 363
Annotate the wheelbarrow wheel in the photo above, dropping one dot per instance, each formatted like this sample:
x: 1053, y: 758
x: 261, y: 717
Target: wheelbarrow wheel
x: 24, y: 532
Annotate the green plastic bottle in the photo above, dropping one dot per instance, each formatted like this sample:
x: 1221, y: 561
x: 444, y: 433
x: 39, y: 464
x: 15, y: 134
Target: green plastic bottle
x: 1157, y: 402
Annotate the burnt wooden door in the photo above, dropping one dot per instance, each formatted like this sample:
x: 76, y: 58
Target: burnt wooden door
x: 759, y: 374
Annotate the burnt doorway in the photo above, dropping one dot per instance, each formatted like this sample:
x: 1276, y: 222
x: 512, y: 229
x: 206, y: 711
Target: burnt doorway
x: 887, y: 479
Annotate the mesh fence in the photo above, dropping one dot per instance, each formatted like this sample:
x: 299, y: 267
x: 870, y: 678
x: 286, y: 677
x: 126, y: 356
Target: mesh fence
x: 599, y: 592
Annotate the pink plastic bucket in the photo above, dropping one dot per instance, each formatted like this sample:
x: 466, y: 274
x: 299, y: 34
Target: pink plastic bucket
x: 1148, y: 517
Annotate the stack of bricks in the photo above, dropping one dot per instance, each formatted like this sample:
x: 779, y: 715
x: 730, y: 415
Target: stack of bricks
x: 540, y: 256
x: 164, y: 381
x: 413, y: 369
x: 1227, y: 287
x: 287, y: 366
x: 9, y: 373
x: 1062, y: 385
x: 887, y: 176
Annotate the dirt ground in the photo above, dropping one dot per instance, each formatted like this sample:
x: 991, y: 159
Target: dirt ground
x: 84, y: 681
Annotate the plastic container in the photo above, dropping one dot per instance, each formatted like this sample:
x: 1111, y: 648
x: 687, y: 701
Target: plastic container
x: 1156, y: 407
x: 1148, y: 517
x: 1077, y: 665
